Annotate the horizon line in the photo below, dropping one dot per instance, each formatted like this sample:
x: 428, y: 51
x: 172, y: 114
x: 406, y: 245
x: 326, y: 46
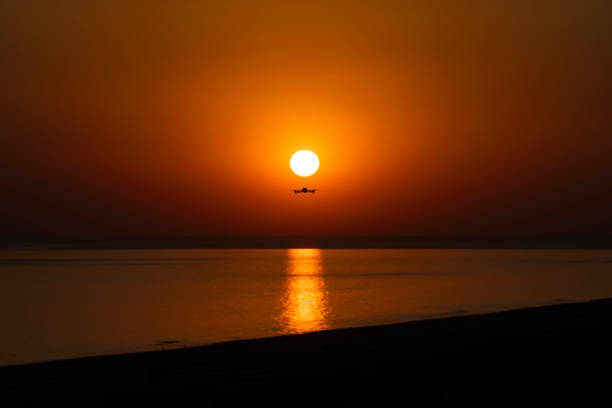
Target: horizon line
x: 338, y: 242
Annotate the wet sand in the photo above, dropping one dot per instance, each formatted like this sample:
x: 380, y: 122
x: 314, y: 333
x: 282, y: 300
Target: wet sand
x: 549, y: 354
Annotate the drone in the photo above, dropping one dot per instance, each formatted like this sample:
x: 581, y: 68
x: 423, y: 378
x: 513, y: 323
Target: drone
x: 304, y: 190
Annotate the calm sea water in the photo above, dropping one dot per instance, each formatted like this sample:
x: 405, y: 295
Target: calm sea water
x: 60, y: 304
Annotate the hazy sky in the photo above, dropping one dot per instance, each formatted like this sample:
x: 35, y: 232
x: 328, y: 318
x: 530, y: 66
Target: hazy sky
x: 430, y: 118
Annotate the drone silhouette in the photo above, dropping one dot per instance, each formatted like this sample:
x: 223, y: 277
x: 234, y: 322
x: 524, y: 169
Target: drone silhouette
x: 304, y: 190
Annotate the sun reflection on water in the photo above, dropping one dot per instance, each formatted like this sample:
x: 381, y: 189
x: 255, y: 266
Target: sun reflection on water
x: 305, y: 306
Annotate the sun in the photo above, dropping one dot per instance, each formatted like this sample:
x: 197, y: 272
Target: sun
x: 304, y: 163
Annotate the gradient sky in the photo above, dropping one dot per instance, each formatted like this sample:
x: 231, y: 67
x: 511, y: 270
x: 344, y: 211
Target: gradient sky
x: 430, y: 118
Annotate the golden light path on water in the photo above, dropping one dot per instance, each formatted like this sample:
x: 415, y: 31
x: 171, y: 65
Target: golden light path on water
x: 305, y: 305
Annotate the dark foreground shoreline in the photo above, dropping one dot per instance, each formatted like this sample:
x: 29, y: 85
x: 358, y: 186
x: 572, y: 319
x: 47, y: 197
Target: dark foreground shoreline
x: 547, y: 354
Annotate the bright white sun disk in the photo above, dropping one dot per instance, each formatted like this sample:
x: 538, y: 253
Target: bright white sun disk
x: 304, y: 163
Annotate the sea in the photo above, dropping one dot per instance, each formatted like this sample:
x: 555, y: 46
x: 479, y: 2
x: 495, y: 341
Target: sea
x: 59, y: 304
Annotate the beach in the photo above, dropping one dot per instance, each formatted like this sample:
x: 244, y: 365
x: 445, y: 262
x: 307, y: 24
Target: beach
x: 547, y: 354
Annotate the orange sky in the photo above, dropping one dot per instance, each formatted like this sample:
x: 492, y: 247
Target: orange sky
x: 430, y: 118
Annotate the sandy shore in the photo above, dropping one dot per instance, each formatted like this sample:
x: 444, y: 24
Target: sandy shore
x: 548, y: 354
